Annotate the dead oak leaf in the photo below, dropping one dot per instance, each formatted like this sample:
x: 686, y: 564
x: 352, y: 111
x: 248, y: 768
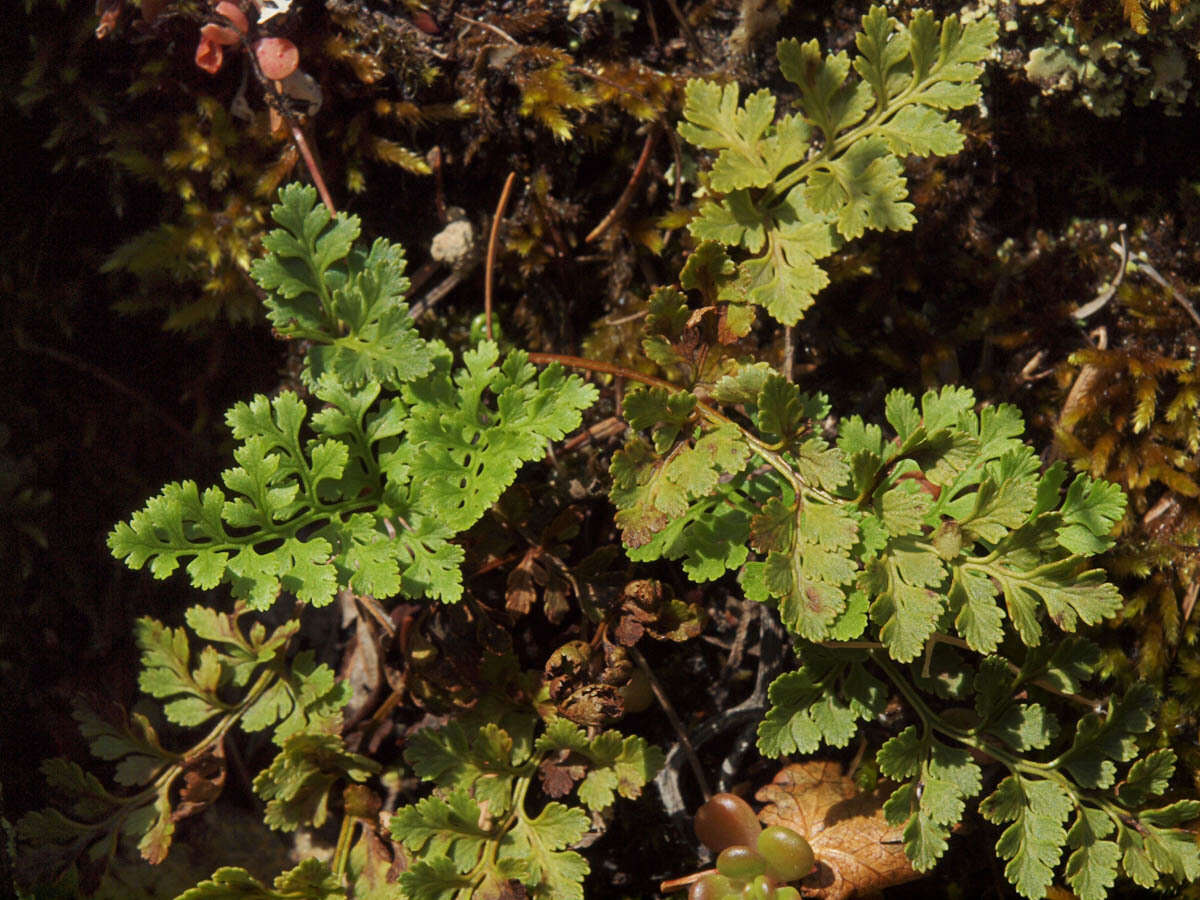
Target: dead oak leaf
x: 857, y: 851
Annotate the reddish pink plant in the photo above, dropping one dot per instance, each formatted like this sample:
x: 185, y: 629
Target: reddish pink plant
x: 277, y: 57
x: 213, y: 37
x: 237, y: 18
x: 209, y: 54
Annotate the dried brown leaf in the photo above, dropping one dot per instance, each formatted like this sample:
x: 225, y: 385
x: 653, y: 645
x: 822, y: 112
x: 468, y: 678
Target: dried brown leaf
x: 585, y: 682
x: 203, y: 779
x: 361, y: 662
x: 857, y: 851
x: 559, y: 778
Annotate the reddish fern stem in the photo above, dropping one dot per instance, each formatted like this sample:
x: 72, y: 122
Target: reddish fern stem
x: 490, y: 266
x: 313, y: 169
x: 596, y: 365
x: 626, y: 197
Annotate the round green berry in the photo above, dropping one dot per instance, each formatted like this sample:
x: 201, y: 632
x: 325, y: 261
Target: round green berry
x: 761, y: 888
x: 712, y: 887
x: 725, y: 820
x: 741, y: 863
x: 788, y: 855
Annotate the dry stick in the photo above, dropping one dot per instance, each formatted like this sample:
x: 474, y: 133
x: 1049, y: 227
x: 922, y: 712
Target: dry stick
x: 1189, y: 601
x: 626, y: 197
x: 678, y: 884
x: 490, y: 27
x: 687, y: 30
x: 650, y: 21
x: 24, y: 343
x: 1162, y: 282
x: 1110, y: 289
x: 662, y: 121
x: 490, y: 265
x: 439, y: 198
x: 1044, y: 685
x: 676, y: 722
x: 606, y: 428
x: 623, y: 320
x: 620, y: 88
x: 789, y: 352
x: 596, y: 365
x: 678, y: 154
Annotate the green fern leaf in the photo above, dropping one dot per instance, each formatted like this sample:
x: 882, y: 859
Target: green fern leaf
x: 1091, y: 868
x: 311, y: 880
x: 935, y: 780
x: 1033, y: 843
x: 297, y: 783
x: 892, y: 105
x: 467, y: 435
x: 349, y: 304
x: 821, y: 703
x: 537, y: 843
x: 616, y: 764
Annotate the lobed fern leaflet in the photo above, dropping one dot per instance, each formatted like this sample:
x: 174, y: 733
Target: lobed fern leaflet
x: 787, y: 192
x: 475, y: 833
x: 368, y: 492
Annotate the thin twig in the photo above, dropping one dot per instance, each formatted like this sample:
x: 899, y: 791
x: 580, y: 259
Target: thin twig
x: 666, y: 126
x: 24, y: 343
x: 626, y: 197
x: 490, y: 266
x: 687, y: 30
x: 678, y: 884
x: 678, y: 191
x: 490, y: 27
x: 597, y: 365
x: 605, y: 428
x: 1162, y: 282
x: 1189, y: 601
x: 1122, y: 250
x: 436, y: 293
x: 1044, y: 685
x: 676, y: 723
x: 653, y: 25
x: 624, y: 320
x: 789, y: 352
x: 434, y: 157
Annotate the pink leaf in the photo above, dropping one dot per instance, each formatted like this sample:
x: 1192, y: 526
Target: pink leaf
x: 209, y: 54
x: 278, y: 57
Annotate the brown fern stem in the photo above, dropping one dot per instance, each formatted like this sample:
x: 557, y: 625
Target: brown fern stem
x: 596, y: 365
x: 626, y: 197
x: 310, y: 163
x: 490, y: 265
